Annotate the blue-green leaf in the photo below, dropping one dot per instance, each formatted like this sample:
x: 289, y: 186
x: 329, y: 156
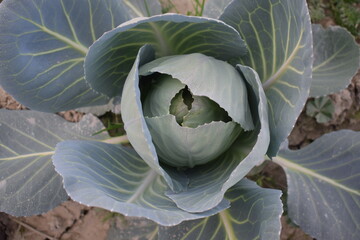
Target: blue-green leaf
x: 324, y: 185
x: 43, y: 45
x: 208, y: 183
x: 321, y: 108
x: 133, y: 229
x: 141, y: 8
x: 336, y: 59
x: 254, y: 214
x: 214, y: 8
x: 28, y: 183
x: 136, y: 128
x: 111, y: 57
x: 279, y: 39
x: 117, y: 179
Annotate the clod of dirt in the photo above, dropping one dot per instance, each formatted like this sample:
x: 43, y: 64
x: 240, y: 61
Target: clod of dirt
x: 8, y: 102
x: 7, y: 226
x: 292, y: 232
x: 69, y: 221
x: 91, y: 226
x: 72, y: 116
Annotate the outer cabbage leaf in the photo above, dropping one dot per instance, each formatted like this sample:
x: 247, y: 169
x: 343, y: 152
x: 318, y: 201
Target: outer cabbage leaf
x: 28, y: 183
x: 111, y: 57
x: 141, y: 8
x: 254, y: 214
x: 214, y: 8
x: 135, y: 228
x: 279, y: 39
x: 209, y: 182
x: 117, y: 179
x: 136, y: 128
x: 43, y: 44
x: 324, y: 185
x: 336, y: 59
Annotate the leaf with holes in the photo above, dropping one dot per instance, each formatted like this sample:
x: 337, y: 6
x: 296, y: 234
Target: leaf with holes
x: 324, y: 185
x: 29, y: 184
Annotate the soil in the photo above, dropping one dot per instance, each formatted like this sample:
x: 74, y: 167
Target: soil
x: 71, y: 220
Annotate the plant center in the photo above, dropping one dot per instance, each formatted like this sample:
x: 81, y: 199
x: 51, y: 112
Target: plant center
x: 193, y: 111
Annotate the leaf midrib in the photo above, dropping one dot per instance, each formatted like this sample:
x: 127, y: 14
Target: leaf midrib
x: 329, y: 59
x: 76, y: 45
x: 132, y: 7
x: 298, y: 168
x: 268, y: 83
x: 147, y: 181
x: 225, y: 219
x: 113, y: 140
x: 17, y: 157
x: 164, y: 48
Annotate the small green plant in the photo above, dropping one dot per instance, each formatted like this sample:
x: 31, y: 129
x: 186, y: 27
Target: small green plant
x: 347, y: 14
x: 113, y: 125
x: 322, y: 109
x: 112, y: 215
x: 198, y: 6
x: 167, y: 6
x: 110, y: 126
x: 317, y: 10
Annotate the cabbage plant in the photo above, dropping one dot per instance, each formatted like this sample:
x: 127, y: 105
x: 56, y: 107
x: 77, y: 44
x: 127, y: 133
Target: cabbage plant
x: 204, y: 100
